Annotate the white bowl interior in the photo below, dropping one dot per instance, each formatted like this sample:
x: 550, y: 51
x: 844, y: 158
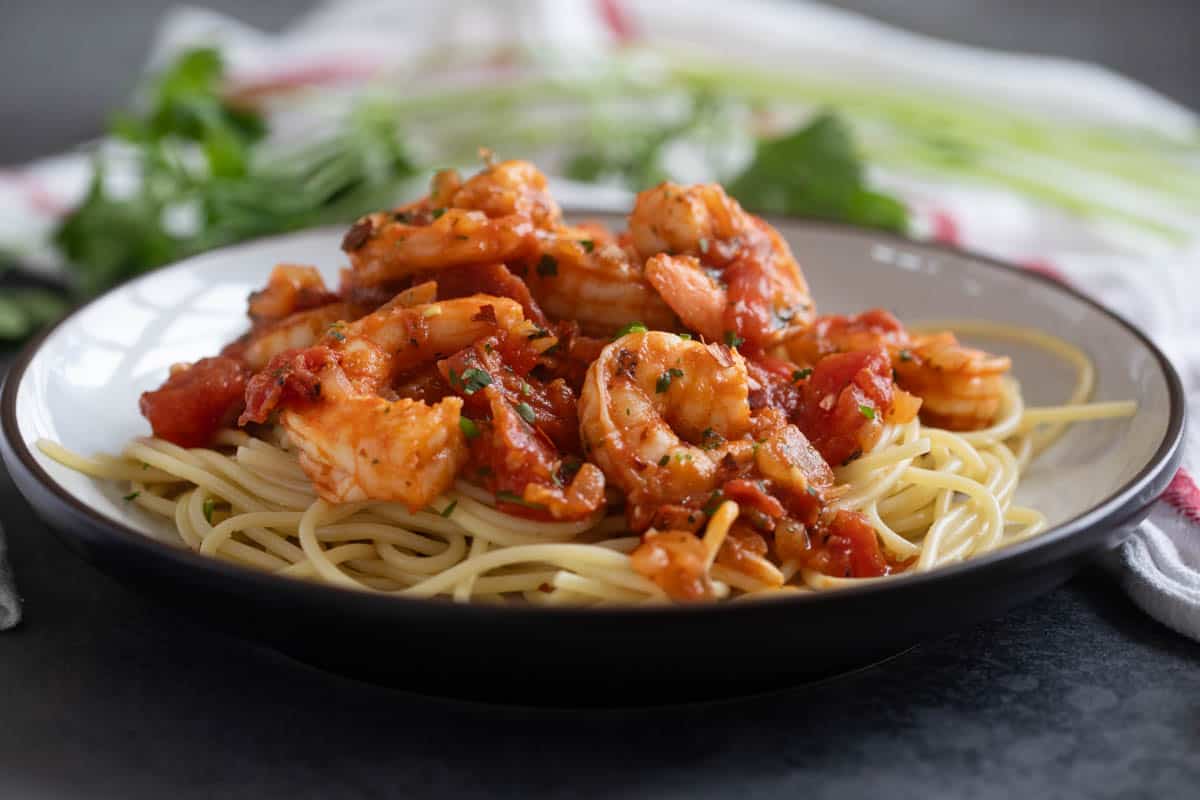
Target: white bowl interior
x: 82, y: 386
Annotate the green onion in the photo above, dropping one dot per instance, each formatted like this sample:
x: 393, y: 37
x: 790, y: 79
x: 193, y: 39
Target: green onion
x: 468, y: 427
x: 664, y: 381
x: 526, y: 412
x: 633, y: 327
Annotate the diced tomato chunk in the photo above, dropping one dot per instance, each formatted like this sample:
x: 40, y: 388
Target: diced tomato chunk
x: 195, y: 402
x: 845, y: 402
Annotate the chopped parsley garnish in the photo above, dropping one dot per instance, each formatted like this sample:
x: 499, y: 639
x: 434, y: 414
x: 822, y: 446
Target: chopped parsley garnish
x: 633, y: 327
x: 710, y: 439
x: 703, y: 243
x: 526, y: 412
x: 526, y: 389
x: 684, y: 335
x: 337, y: 335
x: 437, y: 213
x: 906, y: 355
x: 714, y: 502
x: 857, y: 454
x: 448, y: 510
x: 867, y: 411
x: 468, y: 427
x: 801, y: 374
x: 130, y: 496
x: 516, y: 499
x: 732, y: 339
x: 587, y: 244
x: 474, y: 379
x: 666, y: 459
x: 547, y: 266
x: 664, y: 381
x: 208, y: 510
x: 538, y: 333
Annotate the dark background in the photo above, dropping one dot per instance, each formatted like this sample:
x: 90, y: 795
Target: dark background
x: 103, y: 694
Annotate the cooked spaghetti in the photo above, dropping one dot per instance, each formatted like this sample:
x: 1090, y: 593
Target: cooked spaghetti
x: 497, y: 407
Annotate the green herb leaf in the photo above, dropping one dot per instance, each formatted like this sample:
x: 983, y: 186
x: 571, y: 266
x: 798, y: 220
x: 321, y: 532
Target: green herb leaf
x: 867, y: 411
x: 587, y: 244
x: 714, y: 502
x: 526, y: 412
x: 468, y: 427
x: 664, y: 381
x: 448, y: 510
x: 130, y: 496
x: 801, y: 374
x: 711, y: 440
x: 208, y: 509
x: 547, y: 266
x: 633, y: 327
x: 815, y: 171
x: 732, y: 339
x: 473, y: 379
x: 666, y: 459
x: 24, y: 311
x: 906, y: 355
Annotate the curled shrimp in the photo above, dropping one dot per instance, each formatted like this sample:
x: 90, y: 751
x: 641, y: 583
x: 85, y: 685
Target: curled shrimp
x: 659, y: 414
x: 961, y: 388
x: 504, y: 189
x: 584, y: 275
x: 726, y: 273
x: 357, y: 441
x: 387, y: 246
x: 293, y: 310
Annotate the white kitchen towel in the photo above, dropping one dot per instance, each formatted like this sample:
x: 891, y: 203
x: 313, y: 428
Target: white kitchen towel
x: 1056, y: 165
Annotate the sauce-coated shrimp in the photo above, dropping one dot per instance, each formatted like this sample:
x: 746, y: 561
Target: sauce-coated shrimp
x: 385, y: 246
x: 659, y: 414
x: 962, y: 388
x: 358, y: 441
x: 507, y: 188
x: 595, y: 282
x: 754, y: 290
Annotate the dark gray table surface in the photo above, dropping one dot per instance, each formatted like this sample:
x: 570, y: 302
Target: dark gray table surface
x: 103, y: 694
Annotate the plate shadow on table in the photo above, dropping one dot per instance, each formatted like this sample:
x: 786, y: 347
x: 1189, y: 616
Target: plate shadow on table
x: 1013, y: 699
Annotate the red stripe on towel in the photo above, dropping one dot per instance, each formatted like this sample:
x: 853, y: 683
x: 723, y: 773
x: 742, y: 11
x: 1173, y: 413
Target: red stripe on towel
x: 1184, y: 495
x: 617, y: 19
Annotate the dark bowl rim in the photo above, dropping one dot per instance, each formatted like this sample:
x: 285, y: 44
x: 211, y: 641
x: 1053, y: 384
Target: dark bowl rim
x: 1118, y: 507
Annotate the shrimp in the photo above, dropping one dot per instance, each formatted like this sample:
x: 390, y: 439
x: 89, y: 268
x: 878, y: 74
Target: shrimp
x: 293, y: 310
x: 290, y: 288
x: 660, y: 414
x: 387, y: 246
x: 961, y: 387
x: 301, y: 329
x: 755, y: 292
x: 356, y: 440
x: 509, y: 188
x: 595, y: 282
